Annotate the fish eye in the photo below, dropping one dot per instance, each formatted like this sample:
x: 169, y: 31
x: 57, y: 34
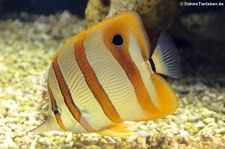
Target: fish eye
x: 56, y: 111
x: 117, y: 40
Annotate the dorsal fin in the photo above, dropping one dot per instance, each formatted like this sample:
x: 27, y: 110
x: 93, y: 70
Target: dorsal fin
x: 166, y: 59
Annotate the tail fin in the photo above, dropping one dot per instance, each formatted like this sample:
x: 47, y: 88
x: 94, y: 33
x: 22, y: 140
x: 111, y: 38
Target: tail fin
x: 165, y: 59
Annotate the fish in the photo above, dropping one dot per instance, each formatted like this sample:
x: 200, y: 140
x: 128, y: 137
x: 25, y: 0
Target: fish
x: 105, y: 76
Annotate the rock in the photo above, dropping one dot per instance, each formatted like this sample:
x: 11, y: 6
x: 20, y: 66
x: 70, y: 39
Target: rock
x: 183, y: 137
x: 141, y: 140
x: 154, y: 13
x: 69, y: 137
x: 209, y: 120
x: 96, y: 11
x: 200, y: 125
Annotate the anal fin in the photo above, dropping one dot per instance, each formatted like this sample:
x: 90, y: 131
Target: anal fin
x: 117, y: 130
x: 167, y: 101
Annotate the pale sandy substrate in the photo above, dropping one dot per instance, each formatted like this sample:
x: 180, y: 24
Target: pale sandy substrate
x: 26, y: 49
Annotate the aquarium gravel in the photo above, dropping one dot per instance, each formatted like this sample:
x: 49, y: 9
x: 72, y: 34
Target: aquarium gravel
x: 27, y: 45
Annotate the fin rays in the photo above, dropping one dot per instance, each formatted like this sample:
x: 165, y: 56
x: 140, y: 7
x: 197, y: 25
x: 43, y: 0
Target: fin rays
x: 166, y: 57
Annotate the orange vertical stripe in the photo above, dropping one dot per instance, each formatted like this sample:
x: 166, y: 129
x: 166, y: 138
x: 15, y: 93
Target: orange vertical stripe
x: 122, y: 55
x: 55, y: 107
x: 140, y: 89
x: 68, y: 98
x: 94, y: 84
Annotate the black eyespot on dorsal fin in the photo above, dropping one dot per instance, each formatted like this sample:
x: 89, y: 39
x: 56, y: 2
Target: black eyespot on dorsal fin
x: 117, y: 40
